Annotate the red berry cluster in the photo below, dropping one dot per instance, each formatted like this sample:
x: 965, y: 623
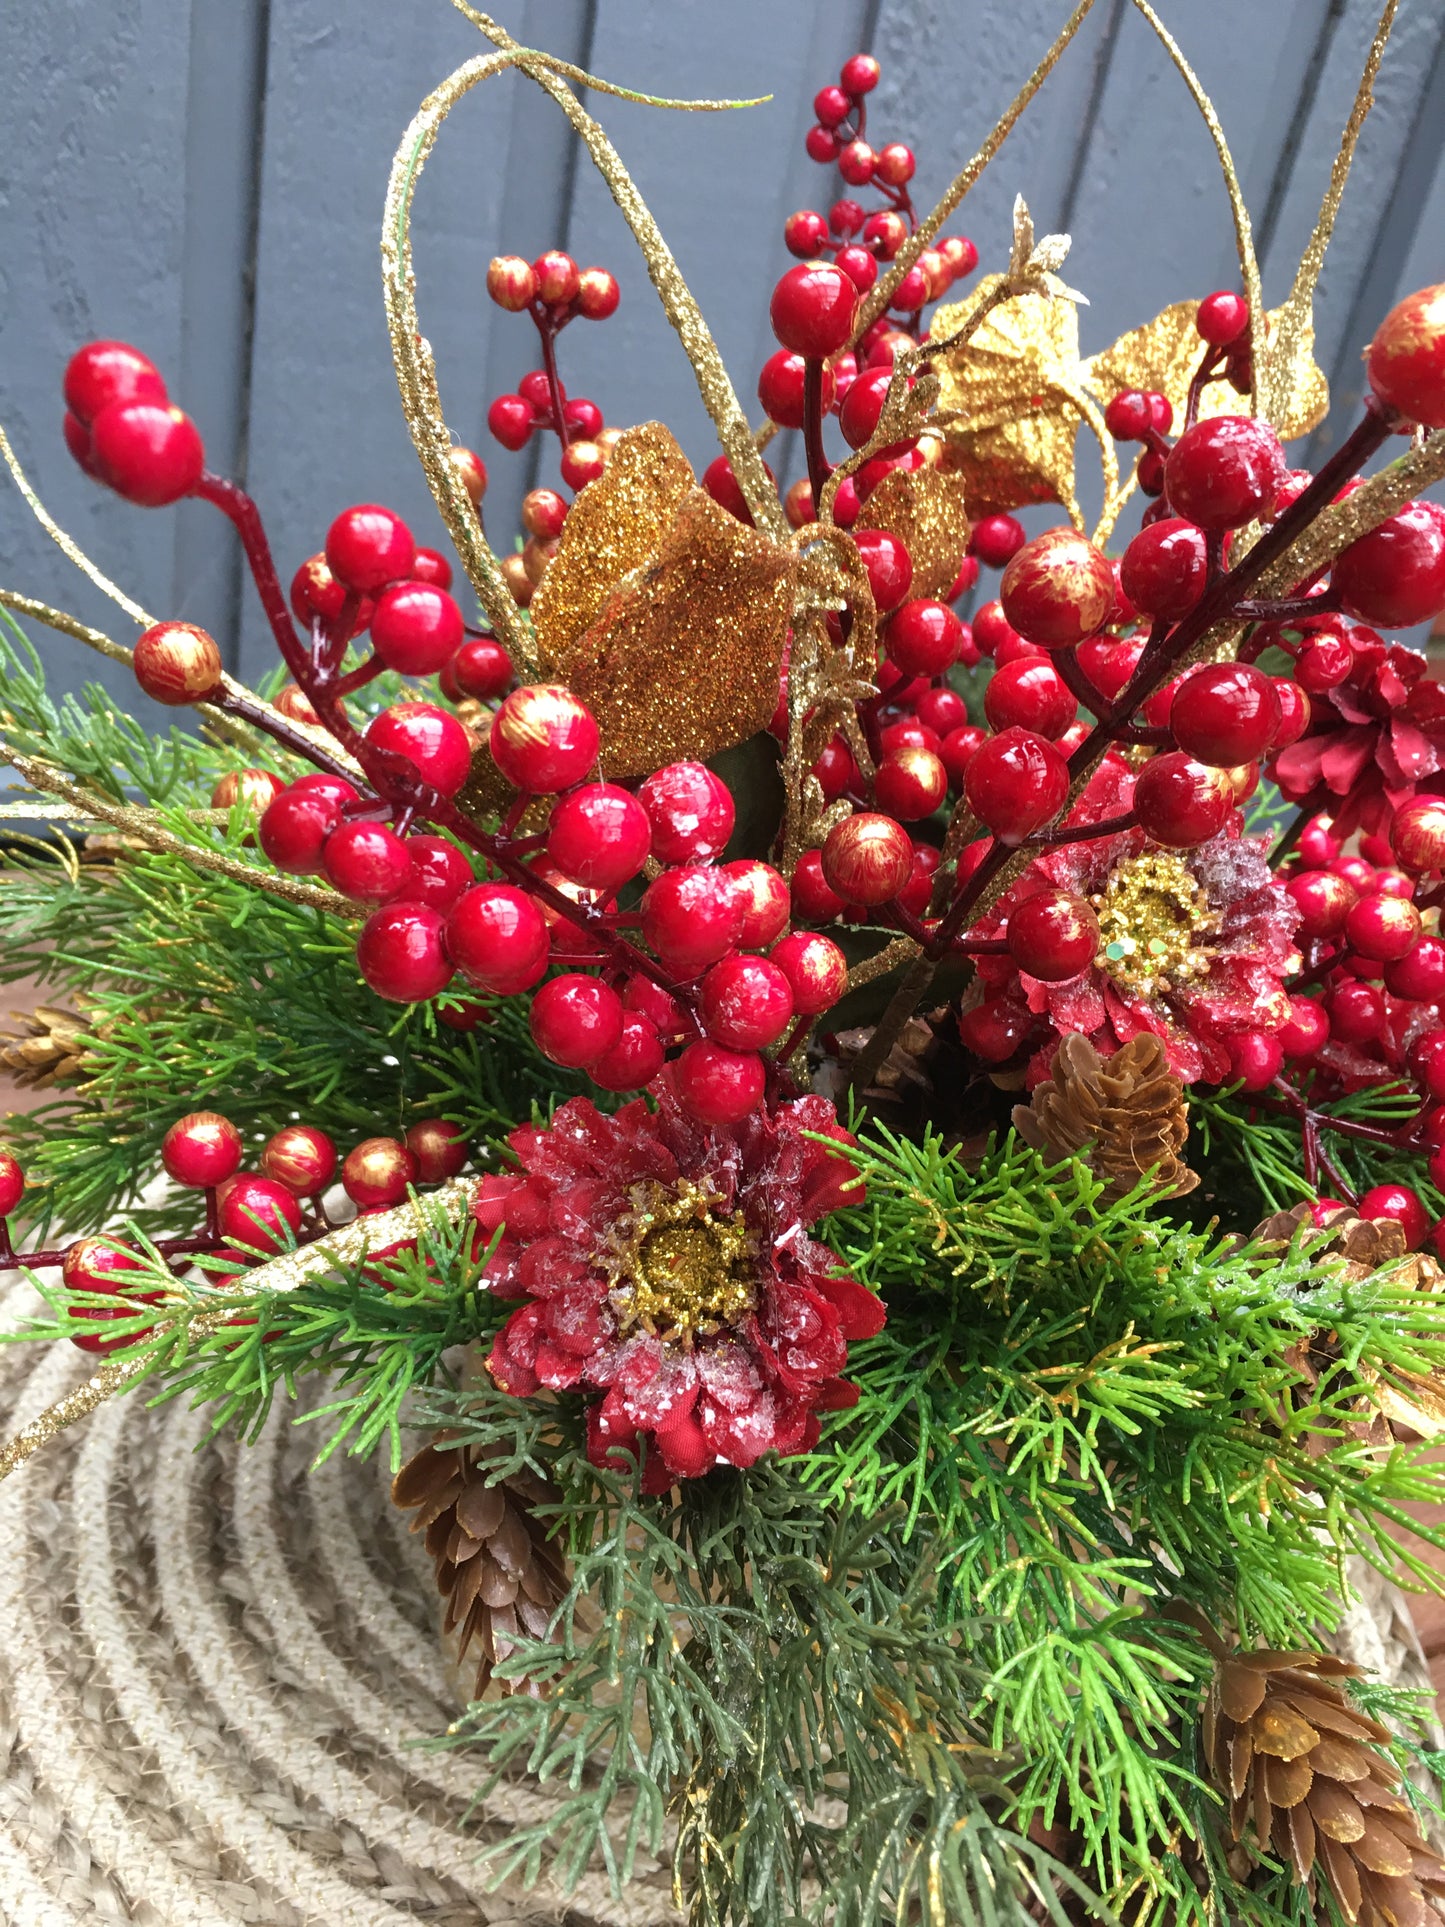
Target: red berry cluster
x: 250, y: 1216
x: 553, y: 290
x: 123, y: 429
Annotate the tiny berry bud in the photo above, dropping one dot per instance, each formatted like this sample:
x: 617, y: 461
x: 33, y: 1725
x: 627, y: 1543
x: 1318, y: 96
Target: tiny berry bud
x: 1221, y: 318
x: 177, y: 663
x: 597, y: 295
x: 511, y: 283
x: 805, y: 234
x: 859, y: 74
x: 557, y: 278
x: 201, y: 1150
x: 511, y: 421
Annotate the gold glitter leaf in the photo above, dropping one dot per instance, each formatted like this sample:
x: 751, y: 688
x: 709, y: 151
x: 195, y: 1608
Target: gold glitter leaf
x: 684, y: 660
x: 1014, y: 388
x: 1164, y: 354
x: 616, y: 525
x: 925, y: 509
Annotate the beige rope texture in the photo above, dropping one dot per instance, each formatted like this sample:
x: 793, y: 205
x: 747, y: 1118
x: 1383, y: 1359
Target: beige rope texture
x: 215, y: 1664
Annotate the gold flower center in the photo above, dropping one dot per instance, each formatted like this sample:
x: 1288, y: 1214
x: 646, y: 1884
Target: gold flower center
x: 675, y: 1269
x: 1153, y: 914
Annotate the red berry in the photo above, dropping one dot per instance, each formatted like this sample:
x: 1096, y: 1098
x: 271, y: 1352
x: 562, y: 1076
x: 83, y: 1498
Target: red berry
x: 1255, y: 1057
x: 812, y: 309
x: 177, y: 663
x: 400, y: 954
x: 1318, y: 844
x: 767, y: 903
x: 257, y: 1213
x: 1029, y: 695
x: 12, y: 1183
x: 859, y: 74
x: 691, y: 812
x: 1128, y: 416
x: 692, y: 916
x: 647, y: 999
x: 1427, y: 1061
x: 1057, y: 589
x: 1053, y: 936
x: 923, y: 638
x: 149, y: 452
x: 1308, y: 1029
x: 597, y: 296
x: 201, y: 1150
x: 832, y: 106
x: 511, y: 421
x: 863, y: 405
x: 911, y: 293
x: 1224, y: 472
x: 429, y: 737
x: 1324, y: 663
x: 575, y: 1020
x: 857, y: 163
x: 1221, y: 318
x: 859, y: 266
x: 992, y: 631
x: 845, y: 217
x: 1406, y: 359
x: 599, y: 836
x: 1323, y: 900
x: 633, y: 1061
x: 780, y: 388
x: 908, y: 733
x: 1357, y: 1012
x: 105, y: 374
x: 367, y: 862
x: 1164, y: 569
x: 300, y: 1157
x: 1419, y: 976
x: 993, y: 1030
x: 1225, y: 713
x: 1382, y: 928
x: 480, y: 668
x: 511, y: 283
x: 432, y: 567
x: 1294, y: 712
x: 820, y: 144
x: 996, y: 540
x: 98, y: 1265
x: 1150, y: 472
x: 722, y: 485
x: 543, y: 739
x: 1108, y: 663
x: 805, y: 234
x: 1395, y: 575
x: 377, y: 1173
x: 942, y: 710
x: 294, y: 827
x: 439, y: 871
x: 813, y: 896
x: 867, y: 858
x: 889, y: 566
x: 415, y: 628
x: 836, y: 770
x: 368, y: 546
x: 439, y: 1147
x: 745, y: 1002
x: 581, y: 463
x: 717, y: 1085
x: 957, y: 750
x: 1398, y: 1202
x: 557, y: 278
x: 1181, y: 802
x: 816, y: 970
x: 909, y: 784
x: 1015, y: 783
x: 497, y: 937
x: 1417, y: 834
x: 896, y: 164
x: 316, y: 595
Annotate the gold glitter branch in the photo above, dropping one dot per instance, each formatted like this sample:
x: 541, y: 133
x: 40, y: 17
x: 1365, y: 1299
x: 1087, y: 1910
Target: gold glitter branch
x: 142, y: 824
x: 922, y: 237
x: 287, y: 1273
x: 677, y: 299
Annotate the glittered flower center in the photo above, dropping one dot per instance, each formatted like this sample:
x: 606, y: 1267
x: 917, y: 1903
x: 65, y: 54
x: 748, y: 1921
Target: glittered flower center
x: 1153, y: 914
x: 678, y: 1271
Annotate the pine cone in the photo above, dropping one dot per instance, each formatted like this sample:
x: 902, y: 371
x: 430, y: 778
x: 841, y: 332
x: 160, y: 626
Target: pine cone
x: 44, y: 1047
x: 496, y: 1566
x: 1296, y: 1758
x: 1124, y: 1116
x: 906, y: 1063
x: 1365, y: 1244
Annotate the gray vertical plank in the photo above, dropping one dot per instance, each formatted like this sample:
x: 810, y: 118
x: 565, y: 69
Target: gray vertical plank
x: 326, y: 426
x: 719, y: 185
x: 223, y: 153
x: 92, y: 225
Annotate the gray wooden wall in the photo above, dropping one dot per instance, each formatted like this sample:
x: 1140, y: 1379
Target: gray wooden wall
x: 205, y: 178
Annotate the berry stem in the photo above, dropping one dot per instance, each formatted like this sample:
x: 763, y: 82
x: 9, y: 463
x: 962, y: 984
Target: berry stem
x: 819, y: 467
x: 239, y: 509
x: 547, y: 329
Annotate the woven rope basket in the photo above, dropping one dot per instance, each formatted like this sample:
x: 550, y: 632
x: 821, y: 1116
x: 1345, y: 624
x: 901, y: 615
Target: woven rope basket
x: 216, y: 1665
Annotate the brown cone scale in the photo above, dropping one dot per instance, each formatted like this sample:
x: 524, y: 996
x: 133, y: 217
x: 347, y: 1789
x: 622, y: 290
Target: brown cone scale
x: 1125, y: 1116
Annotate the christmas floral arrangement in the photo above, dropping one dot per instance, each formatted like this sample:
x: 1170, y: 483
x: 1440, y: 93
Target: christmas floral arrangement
x: 896, y: 1164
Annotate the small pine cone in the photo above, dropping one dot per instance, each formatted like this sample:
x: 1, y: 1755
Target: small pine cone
x: 1365, y: 1244
x: 906, y: 1063
x: 496, y: 1566
x: 1300, y: 1764
x: 44, y: 1047
x: 1124, y: 1116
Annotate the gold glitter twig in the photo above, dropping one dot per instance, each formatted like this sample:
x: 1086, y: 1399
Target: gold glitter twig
x: 67, y: 625
x: 67, y: 544
x: 1243, y: 233
x: 901, y: 950
x: 286, y: 1273
x: 677, y: 299
x: 875, y: 303
x: 141, y: 823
